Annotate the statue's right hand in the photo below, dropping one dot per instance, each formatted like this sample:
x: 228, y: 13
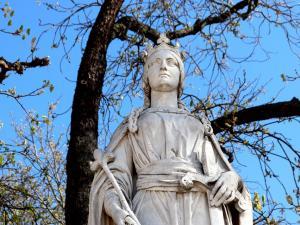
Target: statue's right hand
x: 122, y: 218
x: 129, y: 221
x: 117, y: 213
x: 114, y: 209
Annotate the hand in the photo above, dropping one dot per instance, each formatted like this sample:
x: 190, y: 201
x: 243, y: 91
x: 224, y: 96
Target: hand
x: 113, y: 208
x: 129, y: 221
x: 224, y: 190
x: 119, y: 215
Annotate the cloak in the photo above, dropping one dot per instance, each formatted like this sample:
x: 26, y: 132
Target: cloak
x: 147, y: 163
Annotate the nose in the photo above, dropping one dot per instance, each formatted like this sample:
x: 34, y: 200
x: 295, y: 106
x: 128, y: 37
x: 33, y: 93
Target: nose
x: 163, y: 65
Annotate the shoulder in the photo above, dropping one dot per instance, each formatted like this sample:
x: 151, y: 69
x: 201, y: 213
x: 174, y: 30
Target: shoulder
x: 118, y: 135
x: 205, y: 123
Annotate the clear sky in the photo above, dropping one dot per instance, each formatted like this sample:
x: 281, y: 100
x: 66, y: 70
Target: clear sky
x: 28, y: 13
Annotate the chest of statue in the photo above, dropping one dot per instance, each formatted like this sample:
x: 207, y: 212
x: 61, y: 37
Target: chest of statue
x: 166, y: 134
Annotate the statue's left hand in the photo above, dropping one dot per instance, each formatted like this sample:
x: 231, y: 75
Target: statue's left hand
x: 224, y: 190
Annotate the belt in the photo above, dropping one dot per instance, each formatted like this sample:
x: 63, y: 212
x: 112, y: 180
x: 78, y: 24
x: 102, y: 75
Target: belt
x: 172, y: 175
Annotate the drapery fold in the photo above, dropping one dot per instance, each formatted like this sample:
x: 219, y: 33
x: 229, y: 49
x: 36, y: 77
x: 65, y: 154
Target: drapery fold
x: 167, y: 144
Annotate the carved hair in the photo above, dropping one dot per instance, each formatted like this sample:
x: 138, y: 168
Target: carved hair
x: 163, y: 45
x: 147, y: 88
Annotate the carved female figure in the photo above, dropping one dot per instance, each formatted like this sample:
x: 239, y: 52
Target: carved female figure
x: 167, y: 161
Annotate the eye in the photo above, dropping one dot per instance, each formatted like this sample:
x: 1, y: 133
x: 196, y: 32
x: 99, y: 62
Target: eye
x: 150, y: 64
x: 155, y: 61
x: 158, y: 61
x: 171, y: 62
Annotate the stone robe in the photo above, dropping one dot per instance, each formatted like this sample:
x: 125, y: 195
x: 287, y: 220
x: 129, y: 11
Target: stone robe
x: 148, y: 166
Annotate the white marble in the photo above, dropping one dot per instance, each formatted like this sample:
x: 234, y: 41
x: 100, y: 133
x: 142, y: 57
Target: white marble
x: 163, y: 165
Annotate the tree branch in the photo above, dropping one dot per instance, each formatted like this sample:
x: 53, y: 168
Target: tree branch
x: 19, y: 67
x: 200, y: 24
x: 130, y: 23
x: 257, y: 113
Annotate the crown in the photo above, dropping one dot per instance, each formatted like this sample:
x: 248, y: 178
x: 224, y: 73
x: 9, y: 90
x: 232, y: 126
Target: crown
x: 163, y: 43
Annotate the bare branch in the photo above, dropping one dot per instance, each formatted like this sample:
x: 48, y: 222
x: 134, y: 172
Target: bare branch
x: 200, y: 24
x: 19, y: 67
x: 130, y: 23
x: 262, y: 112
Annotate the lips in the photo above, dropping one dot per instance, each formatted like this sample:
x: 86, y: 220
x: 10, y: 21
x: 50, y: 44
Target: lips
x: 164, y: 75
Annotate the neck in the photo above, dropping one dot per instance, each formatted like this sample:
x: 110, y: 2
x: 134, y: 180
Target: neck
x: 164, y: 99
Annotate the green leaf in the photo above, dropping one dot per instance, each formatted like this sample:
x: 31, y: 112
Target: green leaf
x: 28, y: 31
x: 9, y: 23
x: 46, y: 120
x: 32, y: 130
x: 51, y: 87
x: 1, y: 160
x: 21, y: 28
x: 263, y: 199
x: 12, y: 13
x: 256, y: 202
x: 23, y: 37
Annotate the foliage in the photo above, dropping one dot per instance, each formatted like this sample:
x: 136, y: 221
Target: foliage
x: 8, y: 14
x: 32, y: 180
x: 206, y: 31
x: 32, y: 167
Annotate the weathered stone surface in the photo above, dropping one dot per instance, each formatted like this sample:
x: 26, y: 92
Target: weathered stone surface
x: 164, y: 165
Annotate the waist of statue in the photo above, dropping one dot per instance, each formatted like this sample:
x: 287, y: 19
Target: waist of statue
x: 172, y: 175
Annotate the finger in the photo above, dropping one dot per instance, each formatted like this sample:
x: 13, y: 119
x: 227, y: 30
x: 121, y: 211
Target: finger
x: 231, y: 198
x: 223, y: 198
x: 216, y: 188
x: 129, y: 220
x: 219, y: 194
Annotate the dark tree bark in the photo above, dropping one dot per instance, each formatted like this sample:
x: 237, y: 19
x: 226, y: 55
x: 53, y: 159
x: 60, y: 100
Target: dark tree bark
x: 258, y: 113
x: 19, y: 67
x: 84, y: 118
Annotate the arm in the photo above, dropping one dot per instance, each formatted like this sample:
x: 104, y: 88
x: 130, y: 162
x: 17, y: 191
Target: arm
x: 214, y: 163
x: 119, y: 174
x: 113, y: 208
x: 104, y: 201
x: 225, y: 188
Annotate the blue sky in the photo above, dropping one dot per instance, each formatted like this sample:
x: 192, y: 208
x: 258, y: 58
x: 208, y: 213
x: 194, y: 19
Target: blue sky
x: 28, y: 13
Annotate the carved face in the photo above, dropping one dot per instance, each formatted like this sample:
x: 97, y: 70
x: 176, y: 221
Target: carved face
x: 163, y: 71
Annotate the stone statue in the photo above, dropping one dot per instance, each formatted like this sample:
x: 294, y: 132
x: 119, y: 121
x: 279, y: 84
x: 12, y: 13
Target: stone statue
x: 163, y: 165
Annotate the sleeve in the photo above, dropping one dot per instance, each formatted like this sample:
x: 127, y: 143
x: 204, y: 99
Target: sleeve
x: 212, y: 162
x: 122, y: 167
x: 102, y: 189
x: 241, y: 210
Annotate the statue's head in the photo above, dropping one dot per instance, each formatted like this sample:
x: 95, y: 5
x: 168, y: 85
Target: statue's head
x: 163, y: 69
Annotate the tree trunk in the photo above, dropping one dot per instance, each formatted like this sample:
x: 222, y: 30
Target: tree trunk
x: 84, y: 118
